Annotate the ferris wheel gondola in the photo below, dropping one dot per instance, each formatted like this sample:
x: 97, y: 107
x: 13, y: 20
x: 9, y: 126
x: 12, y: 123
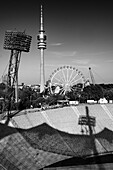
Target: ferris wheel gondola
x: 65, y: 79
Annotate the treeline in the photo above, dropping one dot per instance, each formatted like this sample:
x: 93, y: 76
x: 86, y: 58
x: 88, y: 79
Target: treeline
x: 29, y: 97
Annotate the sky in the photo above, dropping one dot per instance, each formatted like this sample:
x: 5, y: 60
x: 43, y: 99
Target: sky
x: 79, y: 34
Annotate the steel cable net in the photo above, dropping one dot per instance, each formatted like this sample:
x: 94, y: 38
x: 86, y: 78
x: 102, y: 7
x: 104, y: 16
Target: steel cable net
x: 43, y: 145
x: 16, y: 153
x: 52, y: 140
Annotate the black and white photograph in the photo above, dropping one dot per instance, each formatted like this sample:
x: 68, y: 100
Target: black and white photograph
x: 56, y: 85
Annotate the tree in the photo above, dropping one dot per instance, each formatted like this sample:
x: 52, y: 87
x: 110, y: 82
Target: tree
x: 83, y: 97
x: 2, y: 86
x: 94, y: 92
x: 52, y: 99
x: 25, y: 98
x: 108, y: 94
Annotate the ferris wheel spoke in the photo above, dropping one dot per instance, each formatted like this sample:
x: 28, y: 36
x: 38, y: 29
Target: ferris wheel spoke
x: 64, y: 76
x: 76, y: 80
x: 73, y: 78
x: 62, y: 91
x: 57, y: 80
x: 72, y: 89
x: 71, y: 75
x: 67, y: 74
x: 61, y: 77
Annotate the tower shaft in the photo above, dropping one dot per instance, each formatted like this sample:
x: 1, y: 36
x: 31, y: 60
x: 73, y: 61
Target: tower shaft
x: 42, y: 72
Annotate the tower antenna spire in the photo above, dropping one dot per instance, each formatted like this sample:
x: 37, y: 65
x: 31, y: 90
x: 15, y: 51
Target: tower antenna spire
x: 41, y: 19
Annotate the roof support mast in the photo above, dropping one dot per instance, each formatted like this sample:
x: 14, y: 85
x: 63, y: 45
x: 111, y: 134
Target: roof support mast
x: 92, y: 77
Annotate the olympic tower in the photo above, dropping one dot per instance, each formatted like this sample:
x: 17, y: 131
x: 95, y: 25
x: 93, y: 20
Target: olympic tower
x: 42, y: 46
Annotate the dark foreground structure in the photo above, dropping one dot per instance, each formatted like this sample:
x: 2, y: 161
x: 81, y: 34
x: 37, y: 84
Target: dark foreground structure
x: 97, y: 162
x: 44, y: 147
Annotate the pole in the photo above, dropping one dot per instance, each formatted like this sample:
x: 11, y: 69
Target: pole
x: 42, y: 75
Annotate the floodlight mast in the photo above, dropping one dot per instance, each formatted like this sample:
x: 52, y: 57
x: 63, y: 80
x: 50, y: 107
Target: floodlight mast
x: 42, y: 46
x: 16, y: 42
x: 13, y: 71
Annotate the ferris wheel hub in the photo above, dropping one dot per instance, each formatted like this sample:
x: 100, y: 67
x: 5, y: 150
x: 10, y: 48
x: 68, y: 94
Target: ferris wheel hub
x: 67, y: 87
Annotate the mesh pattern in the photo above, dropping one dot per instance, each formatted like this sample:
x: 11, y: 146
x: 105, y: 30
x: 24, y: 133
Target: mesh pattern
x: 18, y: 154
x: 49, y: 139
x: 5, y: 164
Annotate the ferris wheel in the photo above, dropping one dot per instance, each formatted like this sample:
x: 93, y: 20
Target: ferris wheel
x: 66, y: 78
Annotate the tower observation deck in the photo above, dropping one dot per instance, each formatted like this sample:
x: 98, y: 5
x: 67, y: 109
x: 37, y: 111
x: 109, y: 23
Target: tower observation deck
x: 42, y: 46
